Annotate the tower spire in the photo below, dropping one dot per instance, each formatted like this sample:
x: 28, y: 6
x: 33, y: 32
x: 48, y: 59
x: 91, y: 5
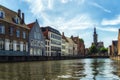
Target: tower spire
x: 94, y: 29
x: 95, y: 37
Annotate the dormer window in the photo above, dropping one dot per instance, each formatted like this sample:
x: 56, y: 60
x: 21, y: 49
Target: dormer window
x: 16, y: 19
x: 2, y: 14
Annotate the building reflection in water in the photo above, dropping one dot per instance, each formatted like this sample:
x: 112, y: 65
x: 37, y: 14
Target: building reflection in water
x: 82, y: 69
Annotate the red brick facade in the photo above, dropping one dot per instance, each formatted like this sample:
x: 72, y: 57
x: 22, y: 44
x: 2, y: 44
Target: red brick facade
x: 80, y: 45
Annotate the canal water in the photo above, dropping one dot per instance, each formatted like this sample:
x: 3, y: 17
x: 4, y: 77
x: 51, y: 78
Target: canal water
x: 80, y: 69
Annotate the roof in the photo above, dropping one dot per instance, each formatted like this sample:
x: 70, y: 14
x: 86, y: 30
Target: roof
x: 31, y: 25
x: 9, y: 15
x: 45, y: 33
x: 115, y: 42
x: 70, y: 40
x: 75, y: 39
x: 50, y: 29
x: 63, y: 37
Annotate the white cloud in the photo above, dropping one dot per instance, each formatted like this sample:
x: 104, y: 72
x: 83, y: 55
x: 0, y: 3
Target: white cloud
x: 115, y: 21
x: 64, y: 1
x: 38, y: 6
x: 101, y: 7
x: 78, y: 22
x: 111, y: 29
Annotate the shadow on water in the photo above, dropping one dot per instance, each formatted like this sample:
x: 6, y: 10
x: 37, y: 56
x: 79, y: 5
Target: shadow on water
x: 81, y: 69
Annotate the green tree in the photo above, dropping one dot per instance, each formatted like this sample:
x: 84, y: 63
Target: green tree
x: 81, y: 40
x: 103, y: 50
x: 93, y: 49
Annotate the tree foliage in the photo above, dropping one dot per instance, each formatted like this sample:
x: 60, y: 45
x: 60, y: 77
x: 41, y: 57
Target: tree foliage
x: 81, y: 40
x: 93, y: 49
x: 103, y: 50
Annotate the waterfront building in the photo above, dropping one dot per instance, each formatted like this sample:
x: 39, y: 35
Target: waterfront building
x: 74, y: 47
x: 86, y: 51
x: 110, y: 50
x: 95, y: 40
x: 53, y: 40
x: 70, y: 46
x: 64, y: 46
x: 36, y: 40
x: 114, y: 48
x: 13, y: 33
x: 80, y: 45
x: 119, y: 42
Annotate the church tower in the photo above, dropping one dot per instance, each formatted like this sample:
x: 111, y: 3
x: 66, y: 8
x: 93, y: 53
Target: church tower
x: 95, y: 37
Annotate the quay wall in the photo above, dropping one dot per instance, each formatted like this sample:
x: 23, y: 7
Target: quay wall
x: 43, y: 58
x: 115, y: 57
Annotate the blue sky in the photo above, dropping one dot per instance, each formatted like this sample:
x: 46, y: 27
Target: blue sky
x: 73, y: 17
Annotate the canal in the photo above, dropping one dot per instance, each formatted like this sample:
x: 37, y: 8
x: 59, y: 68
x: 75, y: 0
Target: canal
x: 80, y: 69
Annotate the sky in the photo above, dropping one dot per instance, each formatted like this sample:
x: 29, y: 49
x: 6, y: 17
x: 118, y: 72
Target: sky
x: 73, y: 17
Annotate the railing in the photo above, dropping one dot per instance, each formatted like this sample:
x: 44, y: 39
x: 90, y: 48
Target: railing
x: 13, y: 53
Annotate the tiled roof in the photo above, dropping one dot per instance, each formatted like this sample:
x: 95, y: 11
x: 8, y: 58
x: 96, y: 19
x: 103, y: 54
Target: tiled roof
x: 9, y: 15
x: 63, y: 37
x: 51, y: 30
x: 70, y: 40
x: 30, y: 25
x: 45, y: 33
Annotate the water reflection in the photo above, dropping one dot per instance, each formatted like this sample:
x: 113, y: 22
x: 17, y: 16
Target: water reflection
x: 82, y: 69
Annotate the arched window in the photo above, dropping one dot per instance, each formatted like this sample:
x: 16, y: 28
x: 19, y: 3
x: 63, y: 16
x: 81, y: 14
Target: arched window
x: 2, y: 14
x: 2, y: 44
x: 2, y: 29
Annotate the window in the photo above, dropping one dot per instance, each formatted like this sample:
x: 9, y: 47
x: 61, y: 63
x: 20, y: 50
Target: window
x: 18, y: 46
x: 2, y: 29
x: 16, y: 20
x: 46, y: 42
x: 24, y: 35
x: 18, y: 33
x: 35, y: 36
x: 31, y: 51
x: 2, y: 14
x: 11, y: 45
x: 11, y: 31
x: 24, y: 47
x: 2, y: 44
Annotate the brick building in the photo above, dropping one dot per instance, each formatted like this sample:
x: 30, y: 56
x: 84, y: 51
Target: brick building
x: 13, y: 32
x: 80, y: 46
x: 114, y: 48
x: 119, y: 42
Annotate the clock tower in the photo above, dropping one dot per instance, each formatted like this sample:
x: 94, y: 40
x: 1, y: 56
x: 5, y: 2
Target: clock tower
x: 95, y: 37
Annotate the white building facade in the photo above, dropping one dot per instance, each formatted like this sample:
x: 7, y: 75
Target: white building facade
x: 36, y: 40
x: 53, y: 41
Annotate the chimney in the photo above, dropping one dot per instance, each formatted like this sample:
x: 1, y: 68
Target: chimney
x: 23, y: 18
x: 19, y: 13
